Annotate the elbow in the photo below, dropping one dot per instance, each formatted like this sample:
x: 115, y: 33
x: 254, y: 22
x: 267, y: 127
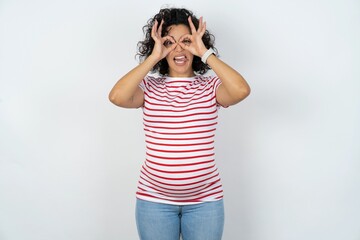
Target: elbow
x: 242, y: 93
x: 122, y: 101
x: 115, y: 99
x: 246, y: 92
x: 112, y: 97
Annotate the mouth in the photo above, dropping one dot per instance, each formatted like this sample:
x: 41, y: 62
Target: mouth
x: 180, y: 60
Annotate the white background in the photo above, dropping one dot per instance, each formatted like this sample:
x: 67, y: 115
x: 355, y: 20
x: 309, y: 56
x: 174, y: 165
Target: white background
x: 289, y: 154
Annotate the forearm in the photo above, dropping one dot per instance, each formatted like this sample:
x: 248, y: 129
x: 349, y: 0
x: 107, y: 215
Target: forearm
x: 124, y: 90
x: 235, y: 85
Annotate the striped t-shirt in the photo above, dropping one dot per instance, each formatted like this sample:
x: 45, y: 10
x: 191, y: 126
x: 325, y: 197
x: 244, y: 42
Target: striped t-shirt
x: 180, y: 118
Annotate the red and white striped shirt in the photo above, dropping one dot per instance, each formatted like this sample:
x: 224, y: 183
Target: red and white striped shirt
x: 180, y: 118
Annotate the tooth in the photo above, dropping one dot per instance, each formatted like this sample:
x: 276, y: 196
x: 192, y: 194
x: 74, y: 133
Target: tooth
x: 181, y: 57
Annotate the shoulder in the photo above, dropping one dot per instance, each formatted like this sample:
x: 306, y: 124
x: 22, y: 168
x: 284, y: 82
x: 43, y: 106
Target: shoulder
x: 153, y: 80
x: 210, y: 79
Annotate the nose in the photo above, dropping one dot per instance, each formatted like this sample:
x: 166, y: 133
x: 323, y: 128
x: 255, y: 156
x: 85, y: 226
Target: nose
x: 178, y: 48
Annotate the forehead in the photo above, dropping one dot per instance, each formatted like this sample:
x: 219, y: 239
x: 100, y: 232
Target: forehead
x: 178, y: 30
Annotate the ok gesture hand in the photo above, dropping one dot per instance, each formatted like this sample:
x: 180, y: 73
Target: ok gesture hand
x: 193, y: 42
x: 160, y: 51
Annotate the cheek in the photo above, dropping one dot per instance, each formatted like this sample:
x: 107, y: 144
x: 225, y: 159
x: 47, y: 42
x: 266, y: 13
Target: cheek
x: 168, y: 59
x: 191, y: 59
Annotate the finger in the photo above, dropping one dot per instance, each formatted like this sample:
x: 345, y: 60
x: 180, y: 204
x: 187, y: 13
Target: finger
x: 153, y: 30
x: 200, y: 24
x: 172, y: 47
x: 187, y: 47
x: 192, y: 26
x: 183, y: 46
x: 187, y: 40
x: 173, y: 39
x: 167, y: 38
x: 168, y: 50
x: 185, y: 36
x: 160, y: 28
x: 202, y: 31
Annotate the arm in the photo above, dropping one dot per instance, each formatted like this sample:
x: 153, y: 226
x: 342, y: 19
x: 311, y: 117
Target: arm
x: 126, y: 92
x: 233, y: 88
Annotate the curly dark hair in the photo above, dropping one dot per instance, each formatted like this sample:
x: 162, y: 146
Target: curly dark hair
x: 173, y: 16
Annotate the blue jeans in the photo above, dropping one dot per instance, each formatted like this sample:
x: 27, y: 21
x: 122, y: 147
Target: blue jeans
x: 159, y: 221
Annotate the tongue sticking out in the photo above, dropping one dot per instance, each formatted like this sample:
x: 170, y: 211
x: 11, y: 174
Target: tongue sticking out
x: 180, y: 59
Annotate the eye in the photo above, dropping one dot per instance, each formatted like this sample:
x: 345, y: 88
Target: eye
x: 167, y: 43
x: 186, y: 41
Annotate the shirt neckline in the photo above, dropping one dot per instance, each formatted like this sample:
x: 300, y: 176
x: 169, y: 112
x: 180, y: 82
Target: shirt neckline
x: 180, y: 79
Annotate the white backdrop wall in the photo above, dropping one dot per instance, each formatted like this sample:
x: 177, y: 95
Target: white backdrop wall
x: 289, y: 154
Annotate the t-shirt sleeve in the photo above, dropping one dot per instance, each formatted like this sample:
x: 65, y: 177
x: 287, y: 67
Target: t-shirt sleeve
x: 142, y: 84
x: 217, y: 83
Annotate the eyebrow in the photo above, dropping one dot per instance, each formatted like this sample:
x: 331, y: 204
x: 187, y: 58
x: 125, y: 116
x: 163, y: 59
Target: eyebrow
x: 179, y: 38
x: 172, y: 37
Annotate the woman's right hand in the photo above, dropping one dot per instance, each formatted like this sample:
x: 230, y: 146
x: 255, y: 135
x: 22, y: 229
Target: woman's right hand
x: 163, y: 45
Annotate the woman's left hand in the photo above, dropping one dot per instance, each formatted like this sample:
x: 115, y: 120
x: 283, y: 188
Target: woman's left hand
x: 193, y: 42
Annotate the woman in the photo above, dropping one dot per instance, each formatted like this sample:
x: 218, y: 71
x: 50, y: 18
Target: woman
x: 179, y: 189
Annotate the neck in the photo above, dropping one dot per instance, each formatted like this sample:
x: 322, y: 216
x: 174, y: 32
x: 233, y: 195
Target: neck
x: 176, y: 74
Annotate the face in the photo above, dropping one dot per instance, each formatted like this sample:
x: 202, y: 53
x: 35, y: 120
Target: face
x: 179, y: 60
